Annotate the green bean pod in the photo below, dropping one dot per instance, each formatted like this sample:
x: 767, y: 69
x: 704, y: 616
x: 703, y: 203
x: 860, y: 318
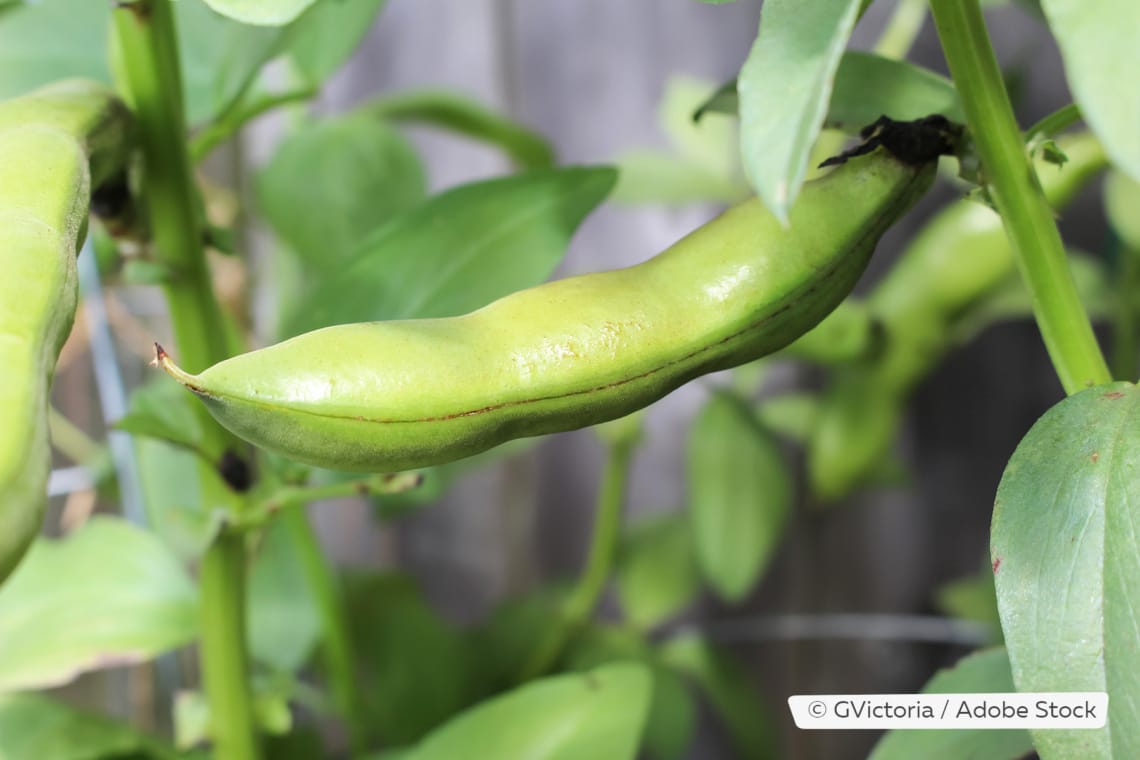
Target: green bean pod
x: 56, y: 144
x: 390, y: 396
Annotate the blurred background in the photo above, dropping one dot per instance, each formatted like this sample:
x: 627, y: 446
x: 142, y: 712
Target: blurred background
x: 591, y: 77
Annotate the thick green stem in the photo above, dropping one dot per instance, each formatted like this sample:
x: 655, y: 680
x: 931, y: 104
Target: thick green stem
x: 336, y: 642
x: 224, y: 660
x: 146, y: 39
x: 579, y: 606
x: 1017, y: 194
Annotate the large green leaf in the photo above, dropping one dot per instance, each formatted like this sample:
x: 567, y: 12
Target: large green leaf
x: 979, y: 673
x: 1098, y: 42
x: 327, y: 34
x: 284, y: 623
x: 261, y: 12
x: 333, y: 182
x: 460, y: 250
x: 1066, y: 560
x: 415, y: 669
x: 785, y: 86
x: 597, y: 714
x: 109, y: 594
x: 34, y: 726
x: 867, y: 86
x: 671, y: 720
x: 657, y: 574
x: 725, y: 684
x: 48, y: 40
x: 739, y: 495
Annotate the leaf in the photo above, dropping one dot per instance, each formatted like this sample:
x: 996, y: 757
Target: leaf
x: 284, y: 623
x: 657, y: 574
x: 162, y: 411
x: 333, y: 182
x: 467, y: 117
x: 35, y: 726
x: 725, y: 684
x: 1066, y: 561
x: 1122, y: 205
x: 868, y: 86
x: 785, y: 86
x: 978, y: 673
x: 1098, y: 41
x: 415, y: 670
x: 971, y: 598
x: 49, y: 40
x: 261, y: 12
x: 598, y: 714
x: 109, y: 594
x: 739, y: 495
x: 328, y: 33
x: 194, y: 723
x: 513, y: 627
x: 646, y: 176
x: 461, y: 249
x: 792, y: 415
x: 671, y: 721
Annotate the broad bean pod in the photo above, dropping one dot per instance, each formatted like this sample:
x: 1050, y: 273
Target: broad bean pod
x: 570, y: 353
x: 56, y: 144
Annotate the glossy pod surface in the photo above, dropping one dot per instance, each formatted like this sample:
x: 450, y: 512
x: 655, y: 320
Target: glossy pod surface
x: 398, y: 395
x: 55, y: 145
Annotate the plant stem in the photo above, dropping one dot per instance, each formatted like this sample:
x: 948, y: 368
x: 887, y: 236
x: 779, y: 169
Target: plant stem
x: 578, y: 607
x: 1017, y: 194
x: 902, y: 29
x: 145, y: 35
x: 224, y: 665
x: 228, y: 123
x: 336, y: 642
x: 1060, y: 119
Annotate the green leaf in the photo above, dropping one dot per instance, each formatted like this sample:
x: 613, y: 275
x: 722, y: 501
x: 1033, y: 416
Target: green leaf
x: 162, y: 411
x: 49, y: 40
x: 725, y: 684
x: 109, y: 594
x: 328, y: 33
x: 332, y: 183
x: 1066, y: 562
x: 646, y: 176
x: 740, y: 495
x: 415, y: 669
x: 785, y: 86
x: 194, y: 724
x: 284, y: 623
x: 978, y: 673
x: 657, y: 574
x: 971, y: 598
x: 1122, y: 205
x: 671, y: 720
x: 792, y: 415
x: 185, y: 499
x: 598, y: 714
x: 1098, y: 42
x: 868, y: 86
x: 34, y: 726
x: 460, y: 250
x: 467, y: 117
x: 513, y: 627
x: 261, y: 12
